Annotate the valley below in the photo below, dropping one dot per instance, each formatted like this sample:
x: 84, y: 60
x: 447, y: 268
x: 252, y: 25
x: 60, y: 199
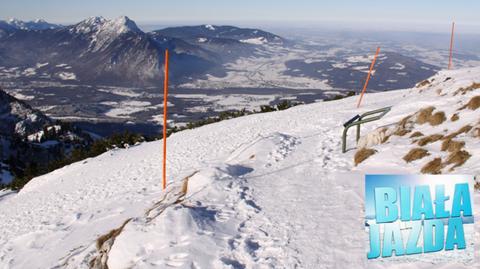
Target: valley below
x: 114, y: 80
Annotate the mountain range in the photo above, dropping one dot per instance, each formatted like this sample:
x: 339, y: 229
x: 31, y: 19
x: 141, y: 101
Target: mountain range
x: 35, y: 25
x: 117, y: 51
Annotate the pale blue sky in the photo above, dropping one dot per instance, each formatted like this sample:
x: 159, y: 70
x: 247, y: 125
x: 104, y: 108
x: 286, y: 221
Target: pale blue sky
x: 408, y: 12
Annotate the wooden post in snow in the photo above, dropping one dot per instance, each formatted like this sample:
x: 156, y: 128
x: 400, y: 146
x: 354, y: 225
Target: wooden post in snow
x: 368, y: 77
x: 165, y: 104
x: 451, y: 47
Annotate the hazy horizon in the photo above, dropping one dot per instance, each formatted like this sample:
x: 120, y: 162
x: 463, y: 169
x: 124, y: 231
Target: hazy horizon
x: 409, y: 15
x: 363, y: 26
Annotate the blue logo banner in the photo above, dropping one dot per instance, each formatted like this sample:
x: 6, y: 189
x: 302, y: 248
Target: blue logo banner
x: 419, y: 217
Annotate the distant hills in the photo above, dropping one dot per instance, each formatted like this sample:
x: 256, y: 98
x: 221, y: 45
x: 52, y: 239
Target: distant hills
x: 116, y: 51
x: 35, y: 25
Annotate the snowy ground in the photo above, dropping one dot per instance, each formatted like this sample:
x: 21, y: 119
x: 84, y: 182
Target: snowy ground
x: 264, y: 191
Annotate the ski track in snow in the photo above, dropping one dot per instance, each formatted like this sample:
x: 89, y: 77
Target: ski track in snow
x: 266, y: 191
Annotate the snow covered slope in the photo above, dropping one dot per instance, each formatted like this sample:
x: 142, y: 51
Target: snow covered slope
x: 264, y: 191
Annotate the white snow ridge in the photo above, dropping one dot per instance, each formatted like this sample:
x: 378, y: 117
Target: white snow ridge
x: 269, y: 190
x: 210, y: 27
x: 256, y: 41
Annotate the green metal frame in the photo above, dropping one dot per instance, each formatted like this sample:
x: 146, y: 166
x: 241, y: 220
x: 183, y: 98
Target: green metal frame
x: 360, y: 119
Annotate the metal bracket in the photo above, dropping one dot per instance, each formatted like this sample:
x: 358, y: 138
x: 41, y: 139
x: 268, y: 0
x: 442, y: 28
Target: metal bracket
x: 360, y: 119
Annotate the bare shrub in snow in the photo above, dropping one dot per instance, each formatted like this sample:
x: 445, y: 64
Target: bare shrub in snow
x: 429, y: 139
x: 415, y: 154
x: 433, y: 167
x: 363, y: 154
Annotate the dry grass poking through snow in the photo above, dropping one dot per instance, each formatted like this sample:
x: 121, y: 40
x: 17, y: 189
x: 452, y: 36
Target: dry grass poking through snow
x: 464, y: 129
x: 437, y: 118
x: 473, y: 104
x: 430, y: 125
x: 457, y: 158
x: 433, y: 167
x: 455, y: 117
x: 111, y: 235
x: 404, y: 121
x: 104, y: 244
x: 423, y: 83
x: 425, y: 115
x: 476, y: 132
x: 451, y: 145
x: 416, y: 134
x: 429, y: 139
x: 470, y: 88
x: 415, y: 154
x: 401, y: 132
x: 363, y: 154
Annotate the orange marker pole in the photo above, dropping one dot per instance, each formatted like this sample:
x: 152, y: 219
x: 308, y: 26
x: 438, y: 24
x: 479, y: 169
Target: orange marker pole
x: 451, y: 47
x: 368, y: 77
x: 165, y: 102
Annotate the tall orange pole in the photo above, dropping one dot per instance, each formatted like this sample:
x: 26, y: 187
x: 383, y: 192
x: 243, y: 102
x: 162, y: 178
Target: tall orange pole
x: 451, y: 47
x: 165, y: 103
x: 368, y: 77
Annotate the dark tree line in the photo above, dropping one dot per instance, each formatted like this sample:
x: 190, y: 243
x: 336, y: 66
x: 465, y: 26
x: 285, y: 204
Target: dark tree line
x: 25, y: 163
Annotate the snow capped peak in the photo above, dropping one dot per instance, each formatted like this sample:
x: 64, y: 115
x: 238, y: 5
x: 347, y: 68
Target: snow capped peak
x: 210, y: 27
x: 13, y: 21
x: 94, y: 21
x: 37, y: 24
x: 101, y: 31
x: 123, y: 24
x: 119, y: 25
x: 89, y: 25
x: 39, y: 21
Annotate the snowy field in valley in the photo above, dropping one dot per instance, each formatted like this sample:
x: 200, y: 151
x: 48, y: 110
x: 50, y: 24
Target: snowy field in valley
x: 221, y: 103
x: 268, y: 190
x: 266, y: 70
